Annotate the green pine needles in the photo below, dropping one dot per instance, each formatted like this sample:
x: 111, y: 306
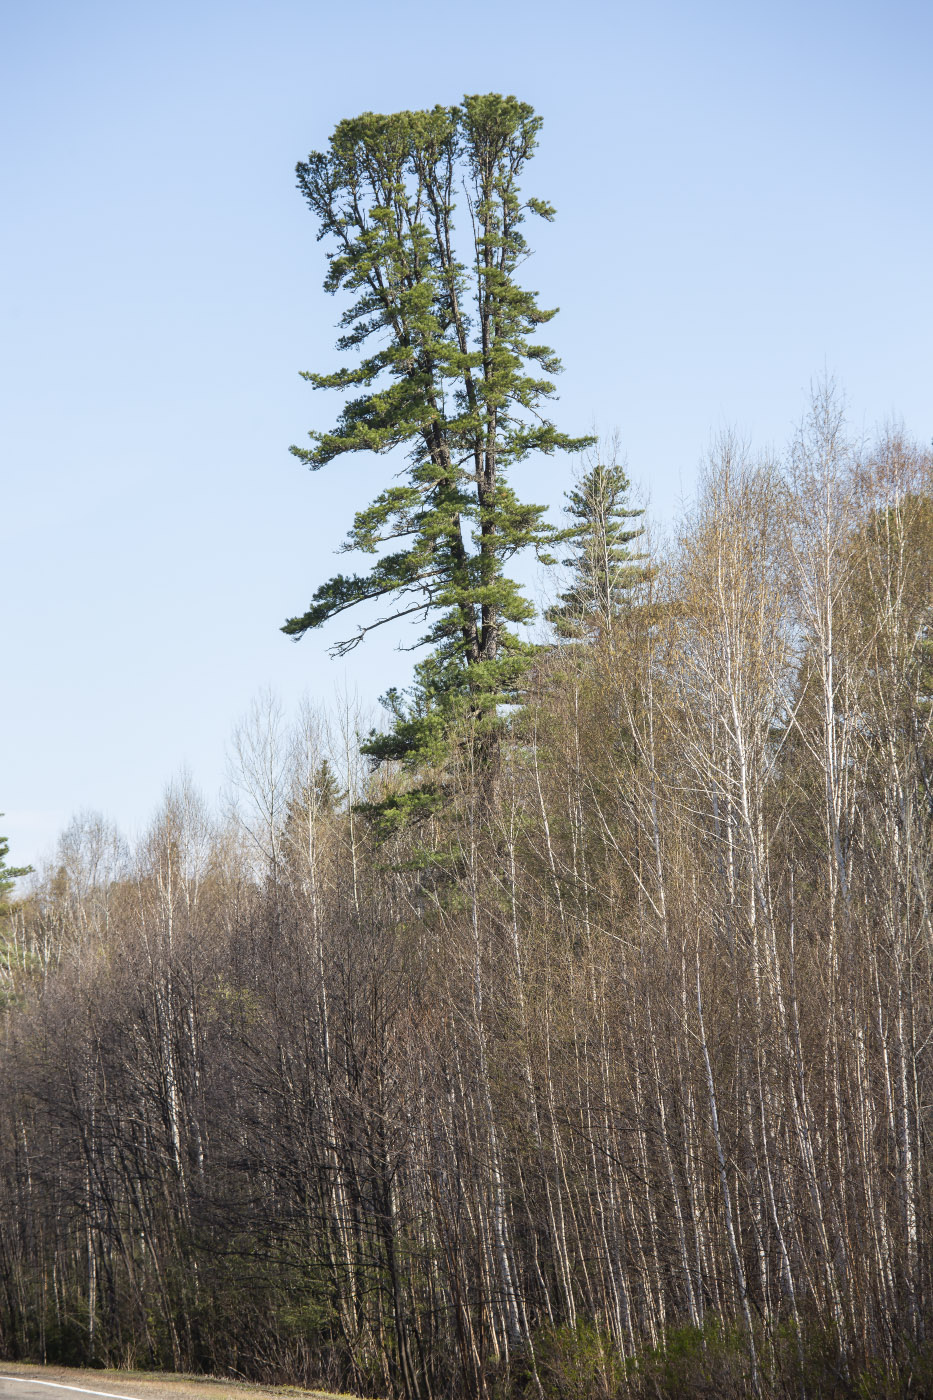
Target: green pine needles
x: 448, y: 371
x: 603, y: 570
x: 9, y: 874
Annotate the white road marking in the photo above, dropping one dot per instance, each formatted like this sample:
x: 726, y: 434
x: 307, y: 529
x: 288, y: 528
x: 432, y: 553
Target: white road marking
x: 57, y: 1385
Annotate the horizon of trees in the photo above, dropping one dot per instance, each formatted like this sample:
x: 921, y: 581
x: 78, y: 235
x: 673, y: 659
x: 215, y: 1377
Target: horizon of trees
x: 611, y: 1080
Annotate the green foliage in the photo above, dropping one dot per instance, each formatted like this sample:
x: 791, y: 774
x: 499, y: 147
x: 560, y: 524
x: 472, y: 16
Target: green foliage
x: 911, y: 1378
x: 9, y: 874
x: 578, y: 1363
x: 319, y: 796
x: 695, y: 1361
x: 450, y: 373
x: 603, y: 569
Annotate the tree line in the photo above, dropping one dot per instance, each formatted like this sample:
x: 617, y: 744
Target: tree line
x: 612, y: 1077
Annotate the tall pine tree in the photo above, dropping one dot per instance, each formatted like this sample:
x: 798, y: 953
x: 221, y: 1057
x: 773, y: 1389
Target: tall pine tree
x: 450, y: 375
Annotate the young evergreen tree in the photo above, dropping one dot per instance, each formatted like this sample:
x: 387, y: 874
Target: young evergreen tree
x: 603, y: 569
x: 9, y: 874
x: 318, y: 795
x: 452, y: 377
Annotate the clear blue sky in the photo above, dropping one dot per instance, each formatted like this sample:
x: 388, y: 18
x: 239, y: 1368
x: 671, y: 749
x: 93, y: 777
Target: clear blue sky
x: 744, y: 198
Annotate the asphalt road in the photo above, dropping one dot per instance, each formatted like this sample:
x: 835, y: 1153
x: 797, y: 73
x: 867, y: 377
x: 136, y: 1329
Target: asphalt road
x: 19, y: 1388
x: 20, y: 1381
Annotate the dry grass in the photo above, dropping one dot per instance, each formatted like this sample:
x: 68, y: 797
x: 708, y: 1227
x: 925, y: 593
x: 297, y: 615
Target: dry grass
x: 156, y: 1385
